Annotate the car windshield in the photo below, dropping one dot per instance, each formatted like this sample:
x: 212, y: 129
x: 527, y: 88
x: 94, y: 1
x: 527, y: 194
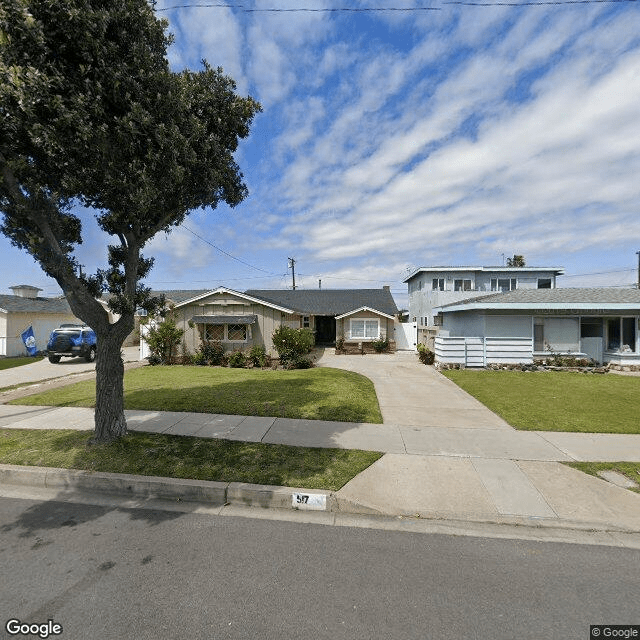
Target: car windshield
x: 71, y: 334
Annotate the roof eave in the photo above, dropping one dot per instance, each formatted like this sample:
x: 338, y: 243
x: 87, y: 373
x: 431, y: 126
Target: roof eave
x: 540, y: 306
x: 350, y: 313
x: 244, y: 296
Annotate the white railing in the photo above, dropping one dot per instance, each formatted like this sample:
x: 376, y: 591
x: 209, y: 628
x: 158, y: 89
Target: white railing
x: 3, y: 346
x: 479, y: 352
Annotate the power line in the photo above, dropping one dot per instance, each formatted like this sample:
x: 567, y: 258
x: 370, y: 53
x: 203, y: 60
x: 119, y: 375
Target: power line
x: 240, y: 7
x: 225, y: 252
x: 597, y: 273
x: 464, y: 3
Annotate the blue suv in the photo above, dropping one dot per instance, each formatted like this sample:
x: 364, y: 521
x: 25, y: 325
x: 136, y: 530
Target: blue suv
x: 72, y: 340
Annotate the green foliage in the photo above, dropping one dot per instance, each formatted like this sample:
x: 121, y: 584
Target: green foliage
x: 199, y: 359
x: 291, y: 345
x: 93, y: 114
x: 340, y: 344
x: 163, y: 338
x: 516, y: 261
x: 380, y: 346
x: 425, y: 354
x: 237, y: 360
x: 258, y: 356
x: 212, y: 353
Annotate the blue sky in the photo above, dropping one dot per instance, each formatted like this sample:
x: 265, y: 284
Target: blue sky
x: 391, y: 140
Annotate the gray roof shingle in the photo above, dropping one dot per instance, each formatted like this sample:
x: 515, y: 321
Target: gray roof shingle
x: 558, y: 296
x: 328, y: 302
x: 18, y: 304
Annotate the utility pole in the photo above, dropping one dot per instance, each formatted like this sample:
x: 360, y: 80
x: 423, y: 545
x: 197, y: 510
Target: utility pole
x: 320, y: 283
x: 292, y: 264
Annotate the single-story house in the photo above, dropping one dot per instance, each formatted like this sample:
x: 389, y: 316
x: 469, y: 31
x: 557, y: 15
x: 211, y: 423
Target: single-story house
x: 240, y: 320
x: 522, y: 325
x: 25, y: 308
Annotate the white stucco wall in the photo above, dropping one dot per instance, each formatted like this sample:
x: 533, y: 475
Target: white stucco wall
x: 43, y: 324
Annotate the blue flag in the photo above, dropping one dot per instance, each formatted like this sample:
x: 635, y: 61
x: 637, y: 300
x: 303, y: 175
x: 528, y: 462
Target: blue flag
x: 29, y: 340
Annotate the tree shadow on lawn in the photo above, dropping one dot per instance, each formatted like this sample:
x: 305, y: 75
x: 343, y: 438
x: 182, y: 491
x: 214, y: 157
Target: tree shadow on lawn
x: 264, y: 398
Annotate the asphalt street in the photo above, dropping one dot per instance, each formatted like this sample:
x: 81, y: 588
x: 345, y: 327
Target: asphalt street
x: 109, y: 572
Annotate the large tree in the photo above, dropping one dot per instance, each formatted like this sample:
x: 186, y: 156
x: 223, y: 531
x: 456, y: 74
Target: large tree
x: 91, y: 114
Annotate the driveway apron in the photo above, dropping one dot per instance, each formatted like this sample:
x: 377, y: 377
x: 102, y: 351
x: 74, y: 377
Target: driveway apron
x: 412, y: 394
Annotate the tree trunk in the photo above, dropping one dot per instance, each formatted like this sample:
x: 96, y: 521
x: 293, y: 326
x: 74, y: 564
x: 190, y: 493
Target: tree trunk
x: 110, y: 422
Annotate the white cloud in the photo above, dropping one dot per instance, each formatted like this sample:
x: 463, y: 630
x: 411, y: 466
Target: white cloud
x: 530, y: 165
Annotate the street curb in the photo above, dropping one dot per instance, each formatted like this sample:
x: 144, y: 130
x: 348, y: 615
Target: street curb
x: 70, y: 482
x: 157, y: 488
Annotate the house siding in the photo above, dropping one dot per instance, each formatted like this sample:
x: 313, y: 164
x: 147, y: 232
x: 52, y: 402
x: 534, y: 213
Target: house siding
x: 268, y: 320
x: 14, y: 323
x: 423, y: 298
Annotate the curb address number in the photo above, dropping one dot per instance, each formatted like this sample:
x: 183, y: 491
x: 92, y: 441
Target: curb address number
x: 309, y: 501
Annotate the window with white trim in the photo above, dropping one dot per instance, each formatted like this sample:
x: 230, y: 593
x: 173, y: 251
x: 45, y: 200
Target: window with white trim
x: 462, y: 285
x: 503, y: 284
x: 213, y: 332
x: 225, y: 333
x: 364, y: 328
x: 237, y: 332
x: 621, y: 334
x: 437, y: 284
x: 306, y: 322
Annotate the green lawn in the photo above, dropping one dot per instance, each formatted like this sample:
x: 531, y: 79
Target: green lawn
x: 315, y: 394
x: 8, y: 363
x: 629, y: 469
x: 555, y: 400
x: 182, y: 457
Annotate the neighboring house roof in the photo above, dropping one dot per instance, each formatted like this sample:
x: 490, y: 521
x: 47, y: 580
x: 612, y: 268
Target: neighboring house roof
x: 579, y: 299
x: 17, y: 304
x: 329, y: 302
x: 558, y: 271
x: 179, y: 295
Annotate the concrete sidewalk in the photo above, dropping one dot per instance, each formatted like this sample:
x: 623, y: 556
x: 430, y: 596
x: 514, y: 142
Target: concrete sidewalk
x: 457, y: 473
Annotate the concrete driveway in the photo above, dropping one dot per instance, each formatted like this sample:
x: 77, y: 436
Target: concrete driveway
x: 45, y: 370
x: 412, y: 394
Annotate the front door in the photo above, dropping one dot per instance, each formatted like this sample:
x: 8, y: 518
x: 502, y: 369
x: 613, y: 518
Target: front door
x: 325, y: 330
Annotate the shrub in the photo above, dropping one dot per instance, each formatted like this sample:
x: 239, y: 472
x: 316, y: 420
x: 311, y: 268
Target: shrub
x: 199, y: 359
x: 301, y: 363
x: 258, y: 356
x: 292, y: 344
x: 425, y: 354
x: 237, y: 360
x: 163, y: 338
x: 380, y: 346
x: 213, y: 352
x: 154, y: 359
x: 340, y: 344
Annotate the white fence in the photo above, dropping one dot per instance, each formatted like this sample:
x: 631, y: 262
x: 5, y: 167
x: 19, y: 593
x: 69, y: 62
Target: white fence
x: 479, y: 352
x: 3, y: 346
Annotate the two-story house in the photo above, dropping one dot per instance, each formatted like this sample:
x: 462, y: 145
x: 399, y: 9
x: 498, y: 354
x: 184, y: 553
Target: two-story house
x: 431, y: 287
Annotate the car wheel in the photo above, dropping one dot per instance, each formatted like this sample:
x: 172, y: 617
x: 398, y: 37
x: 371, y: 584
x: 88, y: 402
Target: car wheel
x: 91, y: 356
x: 54, y: 359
